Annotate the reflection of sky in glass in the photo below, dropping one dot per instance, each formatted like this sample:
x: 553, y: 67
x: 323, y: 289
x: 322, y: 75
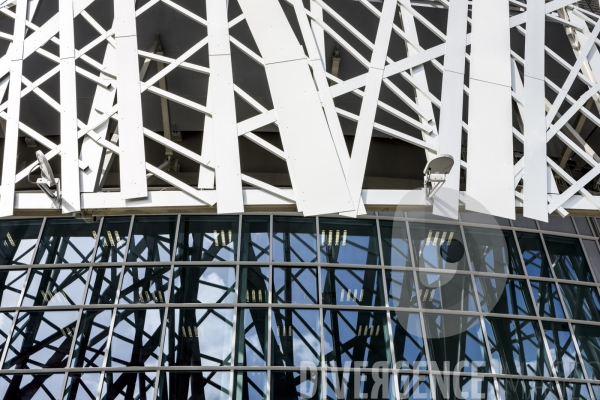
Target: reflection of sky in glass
x: 119, y: 386
x: 91, y: 338
x: 82, y: 386
x: 582, y: 302
x: 348, y: 242
x: 55, y: 287
x: 401, y: 289
x: 145, y: 285
x: 511, y: 298
x: 548, y: 301
x: 295, y: 337
x: 295, y: 285
x: 394, y: 241
x: 533, y: 254
x: 294, y: 239
x: 11, y: 285
x: 207, y: 385
x: 562, y: 350
x: 568, y: 260
x: 18, y: 240
x: 352, y: 287
x: 252, y: 349
x: 143, y: 327
x: 204, y: 284
x: 67, y: 241
x: 255, y: 238
x: 250, y: 385
x: 212, y: 238
x: 113, y: 239
x: 152, y: 239
x: 408, y: 341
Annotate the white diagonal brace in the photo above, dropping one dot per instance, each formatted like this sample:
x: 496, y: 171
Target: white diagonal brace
x: 535, y: 189
x: 206, y: 177
x: 131, y: 129
x: 225, y: 141
x: 69, y: 155
x: 364, y: 128
x: 9, y: 162
x: 445, y: 202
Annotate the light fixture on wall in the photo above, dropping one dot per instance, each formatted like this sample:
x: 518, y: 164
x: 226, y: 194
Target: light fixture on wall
x: 435, y: 173
x: 47, y: 181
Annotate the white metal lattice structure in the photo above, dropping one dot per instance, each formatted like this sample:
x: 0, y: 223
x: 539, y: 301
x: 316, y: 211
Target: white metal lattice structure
x: 492, y: 78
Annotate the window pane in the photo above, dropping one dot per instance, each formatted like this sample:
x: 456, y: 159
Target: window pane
x: 211, y: 238
x: 394, y: 242
x: 356, y: 337
x: 254, y: 284
x: 145, y: 285
x: 582, y: 302
x: 352, y: 287
x: 18, y: 241
x: 558, y: 224
x: 567, y: 258
x: 82, y: 386
x: 591, y: 248
x: 128, y: 385
x: 355, y: 384
x: 103, y: 285
x: 349, y: 241
x: 456, y: 339
x: 152, y: 239
x: 504, y: 296
x: 67, y: 241
x: 534, y: 255
x: 294, y: 239
x: 198, y: 336
x: 562, y: 350
x: 209, y: 385
x: 295, y: 385
x: 6, y: 320
x: 295, y: 338
x: 512, y: 389
x: 113, y: 239
x: 408, y: 341
x: 438, y: 247
x: 588, y: 338
x: 575, y: 391
x: 90, y: 345
x: 523, y: 222
x: 251, y: 337
x: 583, y: 226
x: 446, y: 291
x: 136, y: 338
x: 33, y: 386
x: 478, y: 218
x: 204, y: 284
x: 493, y: 250
x: 295, y: 285
x: 250, y: 386
x: 41, y: 340
x: 414, y: 387
x: 464, y: 388
x: 55, y: 287
x: 401, y: 289
x: 548, y: 300
x: 11, y: 286
x: 255, y: 238
x: 517, y: 347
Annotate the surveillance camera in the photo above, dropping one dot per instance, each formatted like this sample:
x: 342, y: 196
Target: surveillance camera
x: 435, y: 173
x: 47, y: 179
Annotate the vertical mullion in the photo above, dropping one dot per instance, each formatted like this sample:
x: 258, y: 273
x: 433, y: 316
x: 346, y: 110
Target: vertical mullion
x: 233, y: 378
x: 268, y: 352
x: 323, y: 367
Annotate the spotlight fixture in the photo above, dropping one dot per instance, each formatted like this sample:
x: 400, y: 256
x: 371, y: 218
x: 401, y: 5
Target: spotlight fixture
x: 47, y: 179
x: 435, y: 173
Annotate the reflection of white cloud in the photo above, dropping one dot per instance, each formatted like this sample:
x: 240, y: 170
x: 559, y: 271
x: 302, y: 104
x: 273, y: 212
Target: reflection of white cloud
x: 304, y: 353
x: 211, y: 294
x: 215, y: 341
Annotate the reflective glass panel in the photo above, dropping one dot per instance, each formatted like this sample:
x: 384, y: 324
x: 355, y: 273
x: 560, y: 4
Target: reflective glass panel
x: 82, y: 386
x: 11, y: 286
x: 356, y: 337
x: 394, y: 243
x: 408, y: 341
x: 31, y: 386
x: 136, y: 338
x: 512, y: 389
x: 355, y: 384
x: 18, y: 241
x: 92, y: 335
x: 152, y: 238
x: 558, y: 224
x: 582, y: 302
x: 145, y: 285
x: 575, y: 391
x: 6, y: 320
x: 567, y: 258
x: 251, y: 337
x: 562, y: 350
x: 591, y: 248
x: 534, y: 256
x: 255, y: 238
x: 295, y: 338
x: 128, y: 385
x: 517, y: 347
x: 295, y: 285
x: 209, y: 385
x: 294, y: 239
x: 450, y: 387
x: 588, y: 338
x: 41, y: 340
x: 583, y: 226
x: 457, y: 340
x: 414, y: 387
x: 291, y: 385
x: 479, y: 218
x: 203, y: 284
x: 346, y: 241
x: 254, y: 284
x: 212, y: 238
x: 504, y: 296
x: 401, y: 289
x: 352, y: 287
x: 55, y: 287
x: 198, y: 336
x: 446, y: 291
x: 67, y: 241
x: 438, y: 247
x: 113, y: 239
x: 103, y: 285
x: 250, y: 385
x: 548, y: 300
x: 492, y: 250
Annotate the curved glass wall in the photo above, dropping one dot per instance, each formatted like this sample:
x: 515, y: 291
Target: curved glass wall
x: 254, y: 306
